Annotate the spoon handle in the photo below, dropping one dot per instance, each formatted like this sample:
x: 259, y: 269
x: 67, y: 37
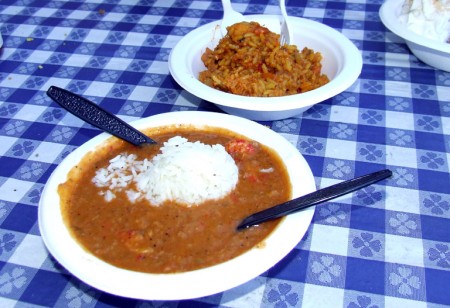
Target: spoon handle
x: 314, y: 198
x: 97, y: 116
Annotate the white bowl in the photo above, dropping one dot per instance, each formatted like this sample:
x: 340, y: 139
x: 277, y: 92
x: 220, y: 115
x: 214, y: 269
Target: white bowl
x: 191, y: 284
x: 342, y: 62
x: 433, y: 53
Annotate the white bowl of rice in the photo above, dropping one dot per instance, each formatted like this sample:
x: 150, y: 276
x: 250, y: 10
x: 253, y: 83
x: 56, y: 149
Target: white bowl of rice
x: 189, y: 284
x: 341, y: 62
x: 428, y: 39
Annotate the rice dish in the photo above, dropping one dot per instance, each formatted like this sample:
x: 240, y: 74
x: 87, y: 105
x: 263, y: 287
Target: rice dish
x: 249, y: 61
x: 185, y: 172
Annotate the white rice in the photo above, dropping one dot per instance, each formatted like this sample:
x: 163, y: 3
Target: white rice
x: 185, y: 172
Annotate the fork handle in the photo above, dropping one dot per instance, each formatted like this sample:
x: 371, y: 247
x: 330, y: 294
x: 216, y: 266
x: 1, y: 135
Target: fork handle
x: 226, y: 5
x: 97, y: 116
x: 283, y: 8
x: 314, y: 198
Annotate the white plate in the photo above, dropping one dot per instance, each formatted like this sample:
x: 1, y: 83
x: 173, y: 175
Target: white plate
x: 342, y: 62
x: 186, y: 285
x: 434, y: 53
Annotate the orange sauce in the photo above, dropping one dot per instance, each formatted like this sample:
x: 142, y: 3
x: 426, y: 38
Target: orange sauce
x: 172, y: 237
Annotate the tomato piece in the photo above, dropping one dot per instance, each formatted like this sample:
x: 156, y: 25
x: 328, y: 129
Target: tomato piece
x: 239, y: 148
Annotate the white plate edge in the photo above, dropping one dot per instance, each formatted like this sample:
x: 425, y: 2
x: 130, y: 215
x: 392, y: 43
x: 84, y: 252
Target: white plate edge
x: 346, y: 77
x: 141, y: 289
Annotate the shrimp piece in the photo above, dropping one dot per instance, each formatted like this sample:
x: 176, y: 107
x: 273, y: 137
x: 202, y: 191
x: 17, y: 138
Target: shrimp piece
x: 241, y: 148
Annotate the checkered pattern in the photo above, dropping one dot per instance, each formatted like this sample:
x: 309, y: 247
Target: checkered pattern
x: 387, y: 245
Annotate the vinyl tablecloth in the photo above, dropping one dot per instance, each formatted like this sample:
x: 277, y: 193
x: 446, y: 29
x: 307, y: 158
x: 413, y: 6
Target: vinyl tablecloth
x: 387, y: 245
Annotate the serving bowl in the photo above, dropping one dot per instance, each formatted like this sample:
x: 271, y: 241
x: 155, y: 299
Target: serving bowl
x: 431, y: 52
x: 192, y: 284
x: 342, y: 63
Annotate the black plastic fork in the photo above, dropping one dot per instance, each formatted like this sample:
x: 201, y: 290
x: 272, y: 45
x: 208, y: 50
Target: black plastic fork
x: 314, y: 198
x: 97, y: 116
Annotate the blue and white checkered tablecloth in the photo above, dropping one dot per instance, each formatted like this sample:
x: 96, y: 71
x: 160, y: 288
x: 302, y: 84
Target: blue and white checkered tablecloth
x: 387, y: 245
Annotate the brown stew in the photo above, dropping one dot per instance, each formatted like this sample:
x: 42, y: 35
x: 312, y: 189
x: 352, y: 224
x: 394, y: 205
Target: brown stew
x: 172, y: 237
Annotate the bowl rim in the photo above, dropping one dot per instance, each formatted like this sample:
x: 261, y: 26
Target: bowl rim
x: 389, y: 13
x: 194, y: 284
x: 345, y: 76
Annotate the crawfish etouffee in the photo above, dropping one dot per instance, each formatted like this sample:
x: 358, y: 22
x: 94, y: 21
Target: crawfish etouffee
x: 128, y: 231
x: 250, y: 61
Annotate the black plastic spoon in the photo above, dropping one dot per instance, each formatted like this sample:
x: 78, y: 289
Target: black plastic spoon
x: 313, y: 198
x: 97, y: 116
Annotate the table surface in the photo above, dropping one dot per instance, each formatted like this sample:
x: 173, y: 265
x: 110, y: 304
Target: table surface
x: 385, y: 245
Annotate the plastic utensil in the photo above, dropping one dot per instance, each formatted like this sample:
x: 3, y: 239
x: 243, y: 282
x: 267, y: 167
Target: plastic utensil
x: 97, y: 116
x: 314, y: 198
x: 230, y: 16
x: 286, y: 29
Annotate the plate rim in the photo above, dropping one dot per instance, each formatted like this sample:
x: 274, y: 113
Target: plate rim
x: 141, y: 285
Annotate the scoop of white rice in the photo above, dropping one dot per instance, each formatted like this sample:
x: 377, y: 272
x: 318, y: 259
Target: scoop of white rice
x: 185, y: 172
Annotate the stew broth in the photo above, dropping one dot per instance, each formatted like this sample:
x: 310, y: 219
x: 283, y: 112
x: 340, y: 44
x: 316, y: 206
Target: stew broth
x: 172, y: 237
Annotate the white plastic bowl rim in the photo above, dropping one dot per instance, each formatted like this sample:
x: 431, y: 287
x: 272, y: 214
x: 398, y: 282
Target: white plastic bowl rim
x: 345, y: 71
x: 191, y: 284
x: 389, y: 14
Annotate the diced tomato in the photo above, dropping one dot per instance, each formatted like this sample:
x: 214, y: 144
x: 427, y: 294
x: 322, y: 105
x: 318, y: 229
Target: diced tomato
x: 239, y: 148
x: 252, y: 177
x: 261, y: 30
x: 141, y: 257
